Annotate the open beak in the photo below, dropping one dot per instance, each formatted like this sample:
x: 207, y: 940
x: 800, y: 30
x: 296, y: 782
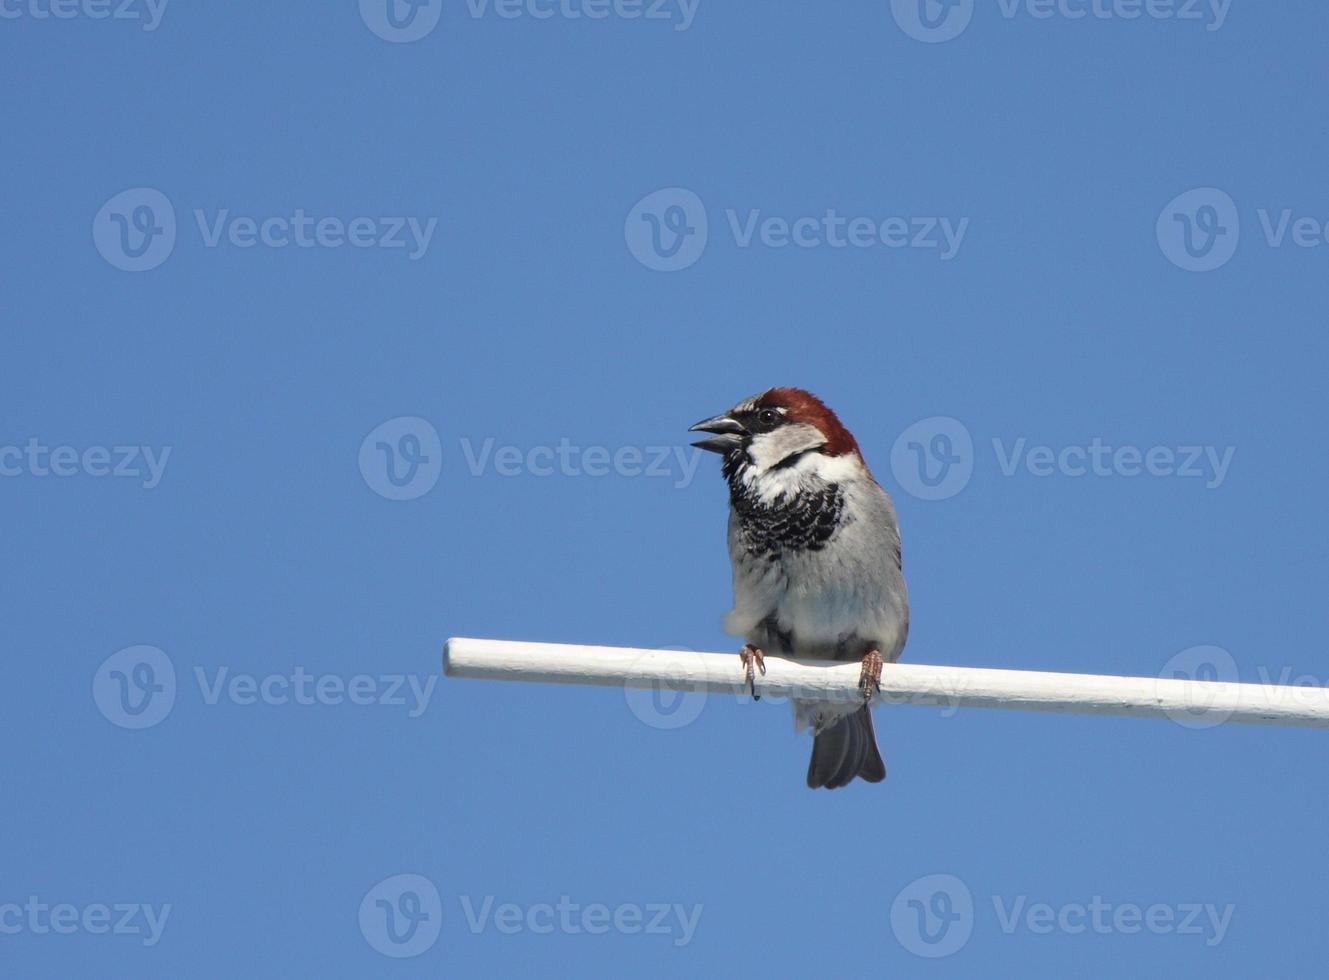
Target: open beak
x: 728, y: 434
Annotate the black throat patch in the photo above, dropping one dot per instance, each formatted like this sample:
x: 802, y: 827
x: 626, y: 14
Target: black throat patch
x: 804, y: 521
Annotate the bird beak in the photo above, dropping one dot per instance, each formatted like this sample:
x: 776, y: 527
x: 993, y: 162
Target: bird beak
x: 728, y: 434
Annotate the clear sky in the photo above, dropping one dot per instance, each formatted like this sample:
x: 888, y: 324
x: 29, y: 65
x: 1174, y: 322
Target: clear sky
x: 331, y: 331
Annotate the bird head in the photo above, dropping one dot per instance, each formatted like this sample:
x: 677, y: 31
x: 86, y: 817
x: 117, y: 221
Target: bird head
x: 775, y: 428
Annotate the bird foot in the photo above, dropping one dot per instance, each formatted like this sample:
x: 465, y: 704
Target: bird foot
x: 870, y: 679
x: 753, y: 660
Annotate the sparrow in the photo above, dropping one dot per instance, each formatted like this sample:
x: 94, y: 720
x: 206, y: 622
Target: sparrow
x: 815, y: 550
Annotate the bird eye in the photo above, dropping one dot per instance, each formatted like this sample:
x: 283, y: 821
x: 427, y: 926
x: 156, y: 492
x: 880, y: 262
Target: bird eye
x: 768, y: 416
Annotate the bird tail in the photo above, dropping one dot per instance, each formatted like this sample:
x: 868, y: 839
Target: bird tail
x: 845, y: 750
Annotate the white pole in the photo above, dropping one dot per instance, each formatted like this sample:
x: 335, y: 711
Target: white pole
x: 1198, y: 703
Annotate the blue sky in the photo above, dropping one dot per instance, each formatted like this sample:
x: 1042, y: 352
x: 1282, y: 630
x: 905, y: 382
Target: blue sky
x: 329, y: 335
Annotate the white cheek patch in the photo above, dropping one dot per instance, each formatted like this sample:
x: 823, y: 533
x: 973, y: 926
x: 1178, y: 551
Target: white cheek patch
x: 772, y: 448
x: 836, y: 469
x: 810, y: 471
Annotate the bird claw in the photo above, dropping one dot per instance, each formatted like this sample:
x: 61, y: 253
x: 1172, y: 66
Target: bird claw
x: 752, y: 658
x: 870, y: 679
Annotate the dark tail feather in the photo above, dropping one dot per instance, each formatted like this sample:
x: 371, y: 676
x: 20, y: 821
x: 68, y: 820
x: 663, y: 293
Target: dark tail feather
x: 846, y: 750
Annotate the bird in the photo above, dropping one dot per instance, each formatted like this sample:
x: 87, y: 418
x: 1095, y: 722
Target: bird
x: 814, y: 545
